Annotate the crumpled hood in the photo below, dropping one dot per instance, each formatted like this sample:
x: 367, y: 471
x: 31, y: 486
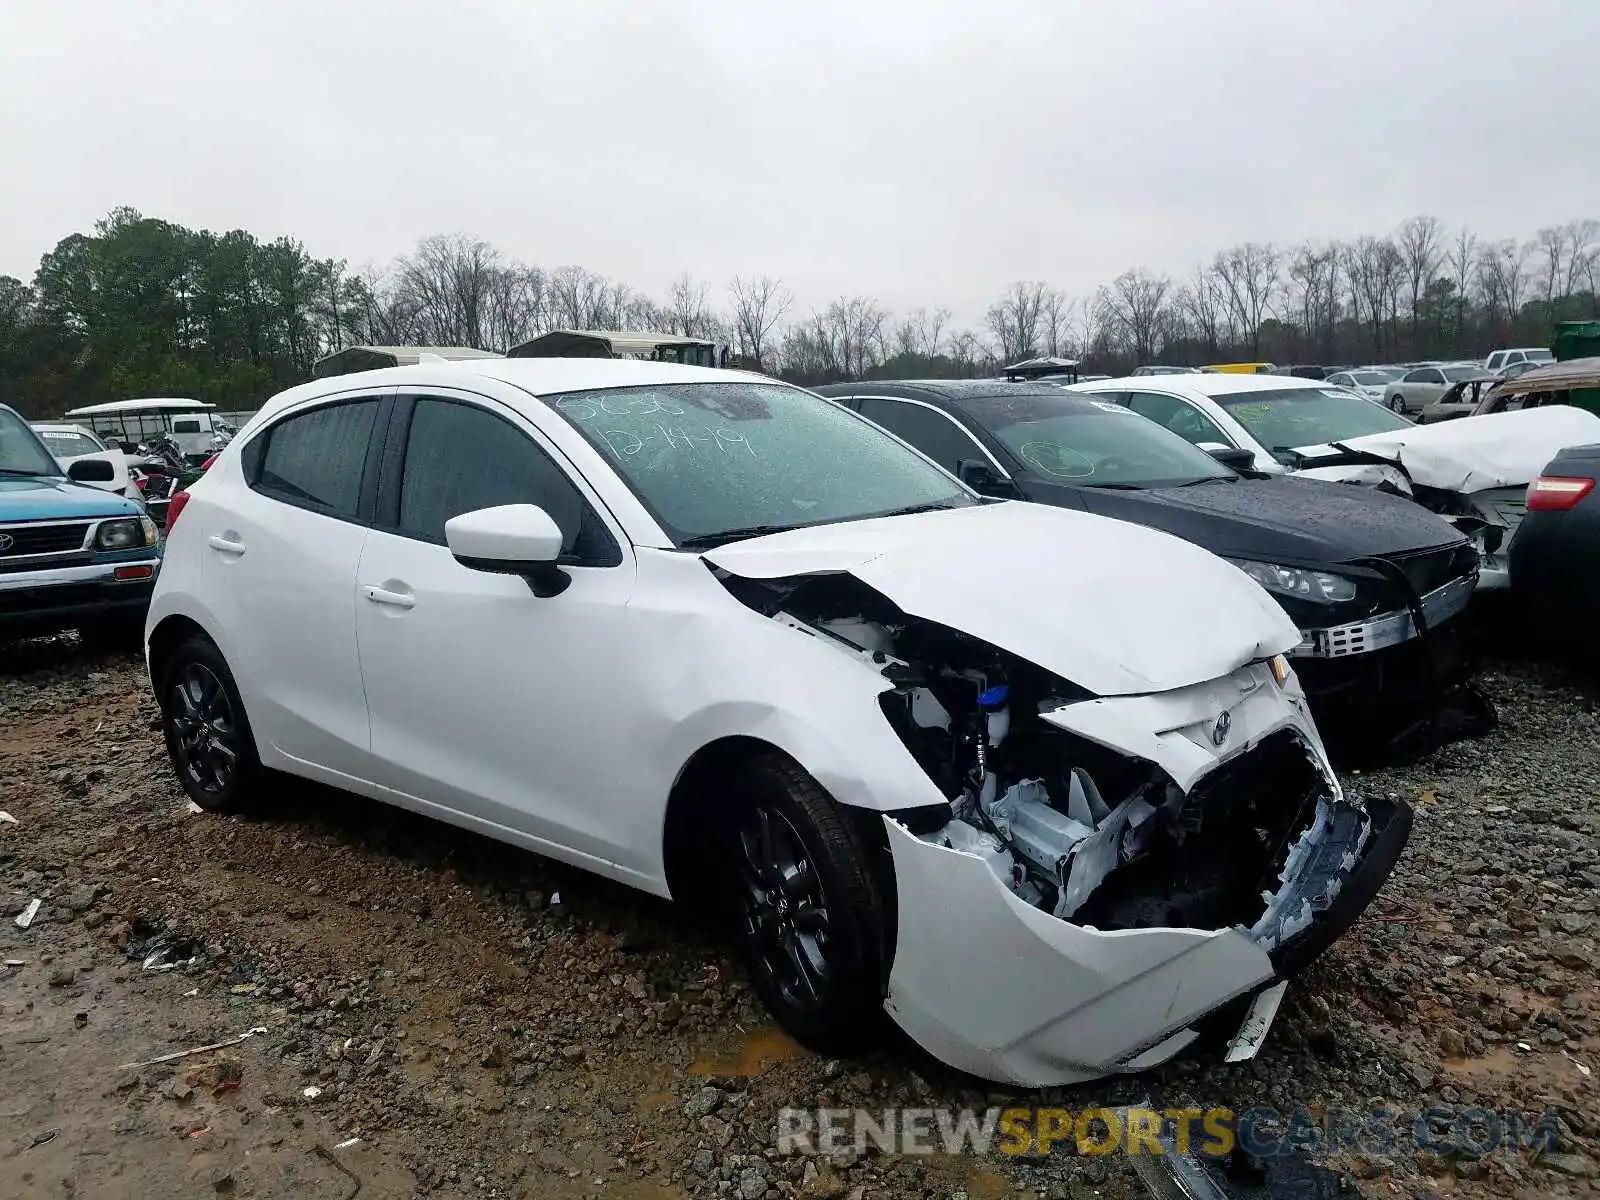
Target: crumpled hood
x: 1113, y: 607
x: 1475, y: 453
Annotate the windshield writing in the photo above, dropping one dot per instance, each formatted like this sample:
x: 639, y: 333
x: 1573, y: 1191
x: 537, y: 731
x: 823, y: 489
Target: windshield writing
x: 706, y: 458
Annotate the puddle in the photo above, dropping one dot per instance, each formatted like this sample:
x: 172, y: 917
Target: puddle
x: 656, y: 1102
x: 1500, y: 1061
x: 753, y: 1054
x: 984, y: 1184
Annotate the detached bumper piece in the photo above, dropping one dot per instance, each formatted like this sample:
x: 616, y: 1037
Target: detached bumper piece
x: 1389, y: 629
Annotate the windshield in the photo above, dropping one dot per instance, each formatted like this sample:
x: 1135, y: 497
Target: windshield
x: 1457, y: 374
x: 715, y: 461
x: 20, y: 451
x: 1092, y: 443
x: 1282, y: 420
x: 68, y: 443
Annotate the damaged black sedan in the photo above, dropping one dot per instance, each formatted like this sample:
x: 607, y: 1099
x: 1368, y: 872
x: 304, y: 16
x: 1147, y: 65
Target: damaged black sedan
x: 1378, y: 586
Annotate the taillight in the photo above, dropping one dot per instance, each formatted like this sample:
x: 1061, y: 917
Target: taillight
x: 206, y: 466
x: 1557, y: 493
x: 175, y: 509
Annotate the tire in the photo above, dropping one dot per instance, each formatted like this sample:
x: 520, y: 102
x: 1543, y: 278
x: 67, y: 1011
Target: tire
x: 203, y: 722
x: 808, y: 918
x: 1397, y: 404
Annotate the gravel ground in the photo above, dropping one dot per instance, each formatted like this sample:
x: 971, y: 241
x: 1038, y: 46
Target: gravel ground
x: 488, y: 1024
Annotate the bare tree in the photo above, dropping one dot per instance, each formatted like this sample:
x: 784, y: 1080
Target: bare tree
x: 1503, y: 274
x: 1055, y: 324
x: 1374, y: 269
x: 1419, y: 241
x: 1248, y: 275
x: 1134, y: 307
x: 1312, y: 295
x: 852, y: 332
x: 1015, y: 318
x: 1460, y: 261
x: 689, y: 308
x: 966, y: 349
x: 1198, y: 302
x: 1583, y: 250
x: 759, y: 303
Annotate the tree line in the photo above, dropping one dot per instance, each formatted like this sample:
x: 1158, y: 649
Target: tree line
x: 146, y: 307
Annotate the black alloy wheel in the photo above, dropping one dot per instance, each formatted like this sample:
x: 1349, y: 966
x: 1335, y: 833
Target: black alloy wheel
x: 205, y: 732
x: 785, y: 910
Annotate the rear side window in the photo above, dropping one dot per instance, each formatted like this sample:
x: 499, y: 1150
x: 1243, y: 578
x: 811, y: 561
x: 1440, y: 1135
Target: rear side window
x: 935, y: 434
x: 460, y: 458
x: 314, y: 459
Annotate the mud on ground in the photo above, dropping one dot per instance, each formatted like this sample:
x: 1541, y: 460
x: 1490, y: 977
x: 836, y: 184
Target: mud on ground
x: 439, y: 1015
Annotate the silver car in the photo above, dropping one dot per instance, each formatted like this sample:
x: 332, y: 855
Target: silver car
x: 1417, y: 389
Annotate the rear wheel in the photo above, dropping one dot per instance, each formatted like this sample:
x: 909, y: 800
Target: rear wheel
x: 809, y: 920
x: 1397, y: 403
x: 207, y: 733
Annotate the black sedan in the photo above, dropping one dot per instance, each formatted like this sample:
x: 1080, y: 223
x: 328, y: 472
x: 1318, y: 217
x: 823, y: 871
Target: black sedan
x: 1353, y: 567
x: 1555, y: 557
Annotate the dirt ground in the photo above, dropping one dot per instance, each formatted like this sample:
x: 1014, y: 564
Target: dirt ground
x: 416, y: 1011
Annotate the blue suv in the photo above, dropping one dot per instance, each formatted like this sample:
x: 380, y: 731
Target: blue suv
x: 71, y: 555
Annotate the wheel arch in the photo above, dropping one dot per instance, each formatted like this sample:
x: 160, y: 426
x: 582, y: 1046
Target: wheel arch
x: 170, y: 633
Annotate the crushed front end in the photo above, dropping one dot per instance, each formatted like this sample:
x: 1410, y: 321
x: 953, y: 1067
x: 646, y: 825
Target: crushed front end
x: 1106, y: 877
x: 1123, y: 870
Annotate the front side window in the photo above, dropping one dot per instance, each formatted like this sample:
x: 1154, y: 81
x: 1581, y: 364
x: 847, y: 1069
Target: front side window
x: 1092, y: 443
x: 460, y: 458
x: 935, y: 434
x: 314, y: 459
x: 1283, y: 420
x: 1179, y: 416
x: 714, y: 462
x: 21, y: 453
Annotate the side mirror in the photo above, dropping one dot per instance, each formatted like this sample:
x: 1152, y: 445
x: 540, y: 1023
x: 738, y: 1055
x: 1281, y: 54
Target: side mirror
x: 1235, y: 457
x: 510, y: 539
x: 980, y: 477
x: 91, y: 470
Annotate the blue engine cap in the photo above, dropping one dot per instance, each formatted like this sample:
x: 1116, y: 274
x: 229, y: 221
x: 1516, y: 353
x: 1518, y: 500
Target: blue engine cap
x: 994, y: 697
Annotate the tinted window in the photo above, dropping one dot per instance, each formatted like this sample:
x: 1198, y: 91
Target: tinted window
x: 314, y: 459
x: 1092, y: 443
x: 711, y: 461
x: 1183, y: 419
x: 186, y: 425
x: 460, y: 458
x: 935, y: 434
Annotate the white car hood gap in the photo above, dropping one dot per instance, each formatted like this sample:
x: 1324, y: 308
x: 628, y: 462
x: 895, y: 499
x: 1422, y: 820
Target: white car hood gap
x: 1116, y: 608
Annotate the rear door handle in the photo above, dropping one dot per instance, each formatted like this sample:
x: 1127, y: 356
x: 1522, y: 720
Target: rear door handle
x: 225, y: 545
x: 380, y: 595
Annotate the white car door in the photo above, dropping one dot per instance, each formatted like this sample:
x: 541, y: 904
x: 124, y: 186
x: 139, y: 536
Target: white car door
x: 486, y: 700
x: 281, y: 537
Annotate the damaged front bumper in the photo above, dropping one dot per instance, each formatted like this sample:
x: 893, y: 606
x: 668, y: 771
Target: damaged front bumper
x: 999, y: 987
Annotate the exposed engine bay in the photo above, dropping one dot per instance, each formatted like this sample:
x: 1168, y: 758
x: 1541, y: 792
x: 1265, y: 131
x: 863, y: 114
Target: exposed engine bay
x: 1080, y: 830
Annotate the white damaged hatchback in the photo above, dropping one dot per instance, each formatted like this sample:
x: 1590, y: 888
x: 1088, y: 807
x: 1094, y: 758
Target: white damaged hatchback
x: 1038, y: 783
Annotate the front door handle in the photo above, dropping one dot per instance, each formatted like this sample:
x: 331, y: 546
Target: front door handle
x: 380, y: 595
x: 225, y: 545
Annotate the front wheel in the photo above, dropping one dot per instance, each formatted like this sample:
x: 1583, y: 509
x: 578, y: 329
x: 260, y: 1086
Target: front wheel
x: 208, y: 736
x: 809, y: 919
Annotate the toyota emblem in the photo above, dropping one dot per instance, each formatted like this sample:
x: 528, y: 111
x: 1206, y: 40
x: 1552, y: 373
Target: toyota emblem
x: 1219, y: 731
x: 6, y: 542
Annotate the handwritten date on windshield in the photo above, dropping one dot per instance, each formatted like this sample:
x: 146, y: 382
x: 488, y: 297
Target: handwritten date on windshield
x: 625, y: 443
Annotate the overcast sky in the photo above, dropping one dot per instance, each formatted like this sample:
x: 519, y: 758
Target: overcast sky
x: 924, y: 153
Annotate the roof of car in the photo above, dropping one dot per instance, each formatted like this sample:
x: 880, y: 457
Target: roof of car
x: 149, y: 404
x: 955, y: 390
x: 1561, y: 376
x: 1205, y: 384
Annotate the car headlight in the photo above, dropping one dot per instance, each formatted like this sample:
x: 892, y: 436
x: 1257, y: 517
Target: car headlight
x: 1299, y: 582
x: 126, y: 534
